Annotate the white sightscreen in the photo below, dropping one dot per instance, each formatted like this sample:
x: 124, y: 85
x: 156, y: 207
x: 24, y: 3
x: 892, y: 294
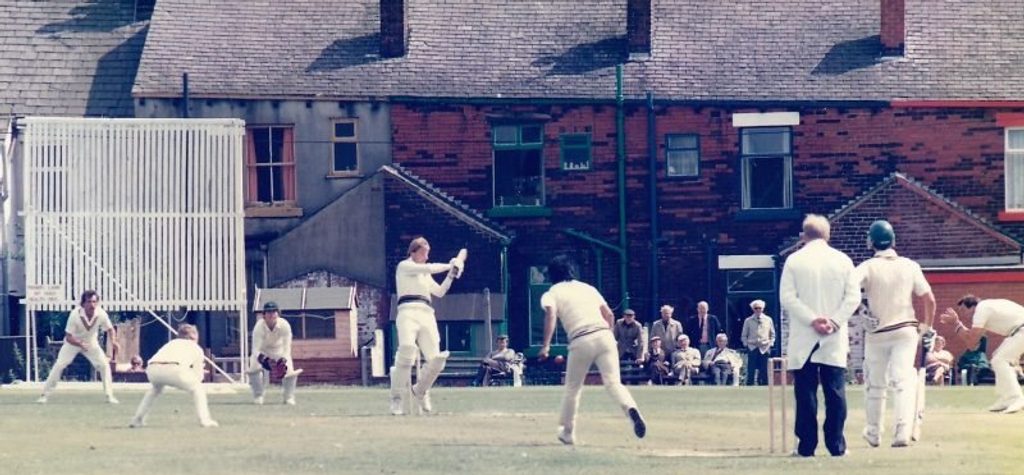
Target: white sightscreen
x: 149, y: 212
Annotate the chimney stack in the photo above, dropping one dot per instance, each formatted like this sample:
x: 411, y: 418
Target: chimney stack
x: 893, y: 28
x: 393, y: 30
x: 638, y: 28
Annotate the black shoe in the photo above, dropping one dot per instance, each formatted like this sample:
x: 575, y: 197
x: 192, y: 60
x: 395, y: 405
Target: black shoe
x: 639, y: 426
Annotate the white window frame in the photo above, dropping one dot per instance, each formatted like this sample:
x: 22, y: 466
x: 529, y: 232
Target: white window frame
x: 745, y: 172
x: 1013, y: 179
x: 354, y: 139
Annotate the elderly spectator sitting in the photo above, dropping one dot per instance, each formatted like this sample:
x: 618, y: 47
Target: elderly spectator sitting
x: 938, y: 361
x: 685, y: 360
x: 723, y: 362
x: 136, y: 365
x: 658, y: 363
x: 499, y: 361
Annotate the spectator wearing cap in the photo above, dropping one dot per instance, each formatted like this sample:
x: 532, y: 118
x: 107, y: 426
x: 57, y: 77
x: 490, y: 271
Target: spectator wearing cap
x: 667, y: 328
x: 759, y: 337
x: 685, y: 360
x: 498, y: 361
x: 629, y: 337
x: 658, y: 362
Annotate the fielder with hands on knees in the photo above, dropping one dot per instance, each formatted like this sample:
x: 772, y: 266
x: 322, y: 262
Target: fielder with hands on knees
x: 417, y: 326
x: 178, y: 364
x: 1001, y: 317
x: 587, y: 321
x: 272, y: 351
x: 81, y: 336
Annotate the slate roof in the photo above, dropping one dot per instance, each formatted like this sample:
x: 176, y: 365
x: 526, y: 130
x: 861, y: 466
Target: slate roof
x: 929, y: 226
x: 567, y: 49
x: 68, y: 58
x: 448, y: 203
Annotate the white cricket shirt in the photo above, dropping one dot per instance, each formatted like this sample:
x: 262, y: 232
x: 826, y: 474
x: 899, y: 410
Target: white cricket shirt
x: 412, y: 278
x: 998, y: 316
x: 889, y: 282
x: 83, y: 328
x: 577, y: 305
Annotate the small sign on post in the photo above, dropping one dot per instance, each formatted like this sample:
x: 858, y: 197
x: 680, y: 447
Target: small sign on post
x: 41, y: 293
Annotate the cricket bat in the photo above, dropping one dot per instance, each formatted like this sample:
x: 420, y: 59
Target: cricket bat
x: 461, y: 266
x: 919, y: 385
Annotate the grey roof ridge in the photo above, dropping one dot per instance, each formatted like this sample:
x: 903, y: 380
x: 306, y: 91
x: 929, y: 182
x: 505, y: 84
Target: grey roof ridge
x: 978, y: 221
x: 447, y: 202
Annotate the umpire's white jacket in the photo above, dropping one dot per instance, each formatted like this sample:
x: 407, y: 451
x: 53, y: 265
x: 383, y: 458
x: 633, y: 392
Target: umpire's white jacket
x: 817, y: 281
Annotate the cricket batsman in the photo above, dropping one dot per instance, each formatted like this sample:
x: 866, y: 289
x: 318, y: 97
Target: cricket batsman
x: 891, y: 334
x: 417, y: 326
x: 272, y: 352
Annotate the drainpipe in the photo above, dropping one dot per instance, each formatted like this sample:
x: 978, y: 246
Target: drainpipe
x: 504, y: 288
x: 620, y: 134
x: 652, y: 176
x: 184, y: 95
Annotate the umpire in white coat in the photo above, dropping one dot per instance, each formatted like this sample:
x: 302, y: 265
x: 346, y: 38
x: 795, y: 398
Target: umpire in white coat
x: 818, y: 294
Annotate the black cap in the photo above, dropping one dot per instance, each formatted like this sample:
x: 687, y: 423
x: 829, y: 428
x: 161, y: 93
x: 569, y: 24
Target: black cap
x: 270, y: 307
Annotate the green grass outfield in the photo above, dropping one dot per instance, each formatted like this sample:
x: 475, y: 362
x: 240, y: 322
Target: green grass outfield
x: 691, y: 430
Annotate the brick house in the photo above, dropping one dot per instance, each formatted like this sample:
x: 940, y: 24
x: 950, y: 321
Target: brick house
x: 681, y: 182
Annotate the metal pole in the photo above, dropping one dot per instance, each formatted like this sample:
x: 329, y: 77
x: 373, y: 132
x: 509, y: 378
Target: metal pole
x: 620, y: 133
x: 490, y: 331
x: 652, y: 183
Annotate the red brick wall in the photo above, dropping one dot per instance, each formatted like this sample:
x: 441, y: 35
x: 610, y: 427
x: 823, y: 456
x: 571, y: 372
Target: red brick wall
x: 839, y: 153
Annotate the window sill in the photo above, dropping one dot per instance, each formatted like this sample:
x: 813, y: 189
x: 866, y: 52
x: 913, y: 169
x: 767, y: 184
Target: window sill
x: 1015, y: 216
x: 519, y: 212
x: 780, y: 214
x: 337, y: 175
x: 288, y: 211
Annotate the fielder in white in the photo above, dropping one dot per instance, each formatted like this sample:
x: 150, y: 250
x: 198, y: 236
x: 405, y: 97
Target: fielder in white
x: 272, y: 347
x: 1001, y: 317
x: 178, y: 364
x: 588, y: 321
x: 890, y: 283
x: 417, y: 326
x: 81, y: 336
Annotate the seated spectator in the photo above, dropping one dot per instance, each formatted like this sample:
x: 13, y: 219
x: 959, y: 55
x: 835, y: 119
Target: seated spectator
x: 938, y: 361
x: 136, y: 365
x: 658, y: 363
x: 723, y: 362
x: 975, y: 362
x: 629, y: 337
x: 685, y: 360
x: 499, y: 361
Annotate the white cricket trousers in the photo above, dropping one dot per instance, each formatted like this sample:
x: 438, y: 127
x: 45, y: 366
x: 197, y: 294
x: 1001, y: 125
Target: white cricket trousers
x: 889, y: 363
x: 417, y: 327
x: 175, y: 376
x: 67, y: 354
x: 1003, y: 358
x: 600, y: 348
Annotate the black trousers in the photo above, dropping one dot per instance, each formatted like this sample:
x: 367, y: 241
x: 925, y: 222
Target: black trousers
x: 757, y: 362
x: 805, y: 385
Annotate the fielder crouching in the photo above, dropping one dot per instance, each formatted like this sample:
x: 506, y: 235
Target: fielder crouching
x: 272, y: 351
x: 417, y: 326
x: 178, y: 364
